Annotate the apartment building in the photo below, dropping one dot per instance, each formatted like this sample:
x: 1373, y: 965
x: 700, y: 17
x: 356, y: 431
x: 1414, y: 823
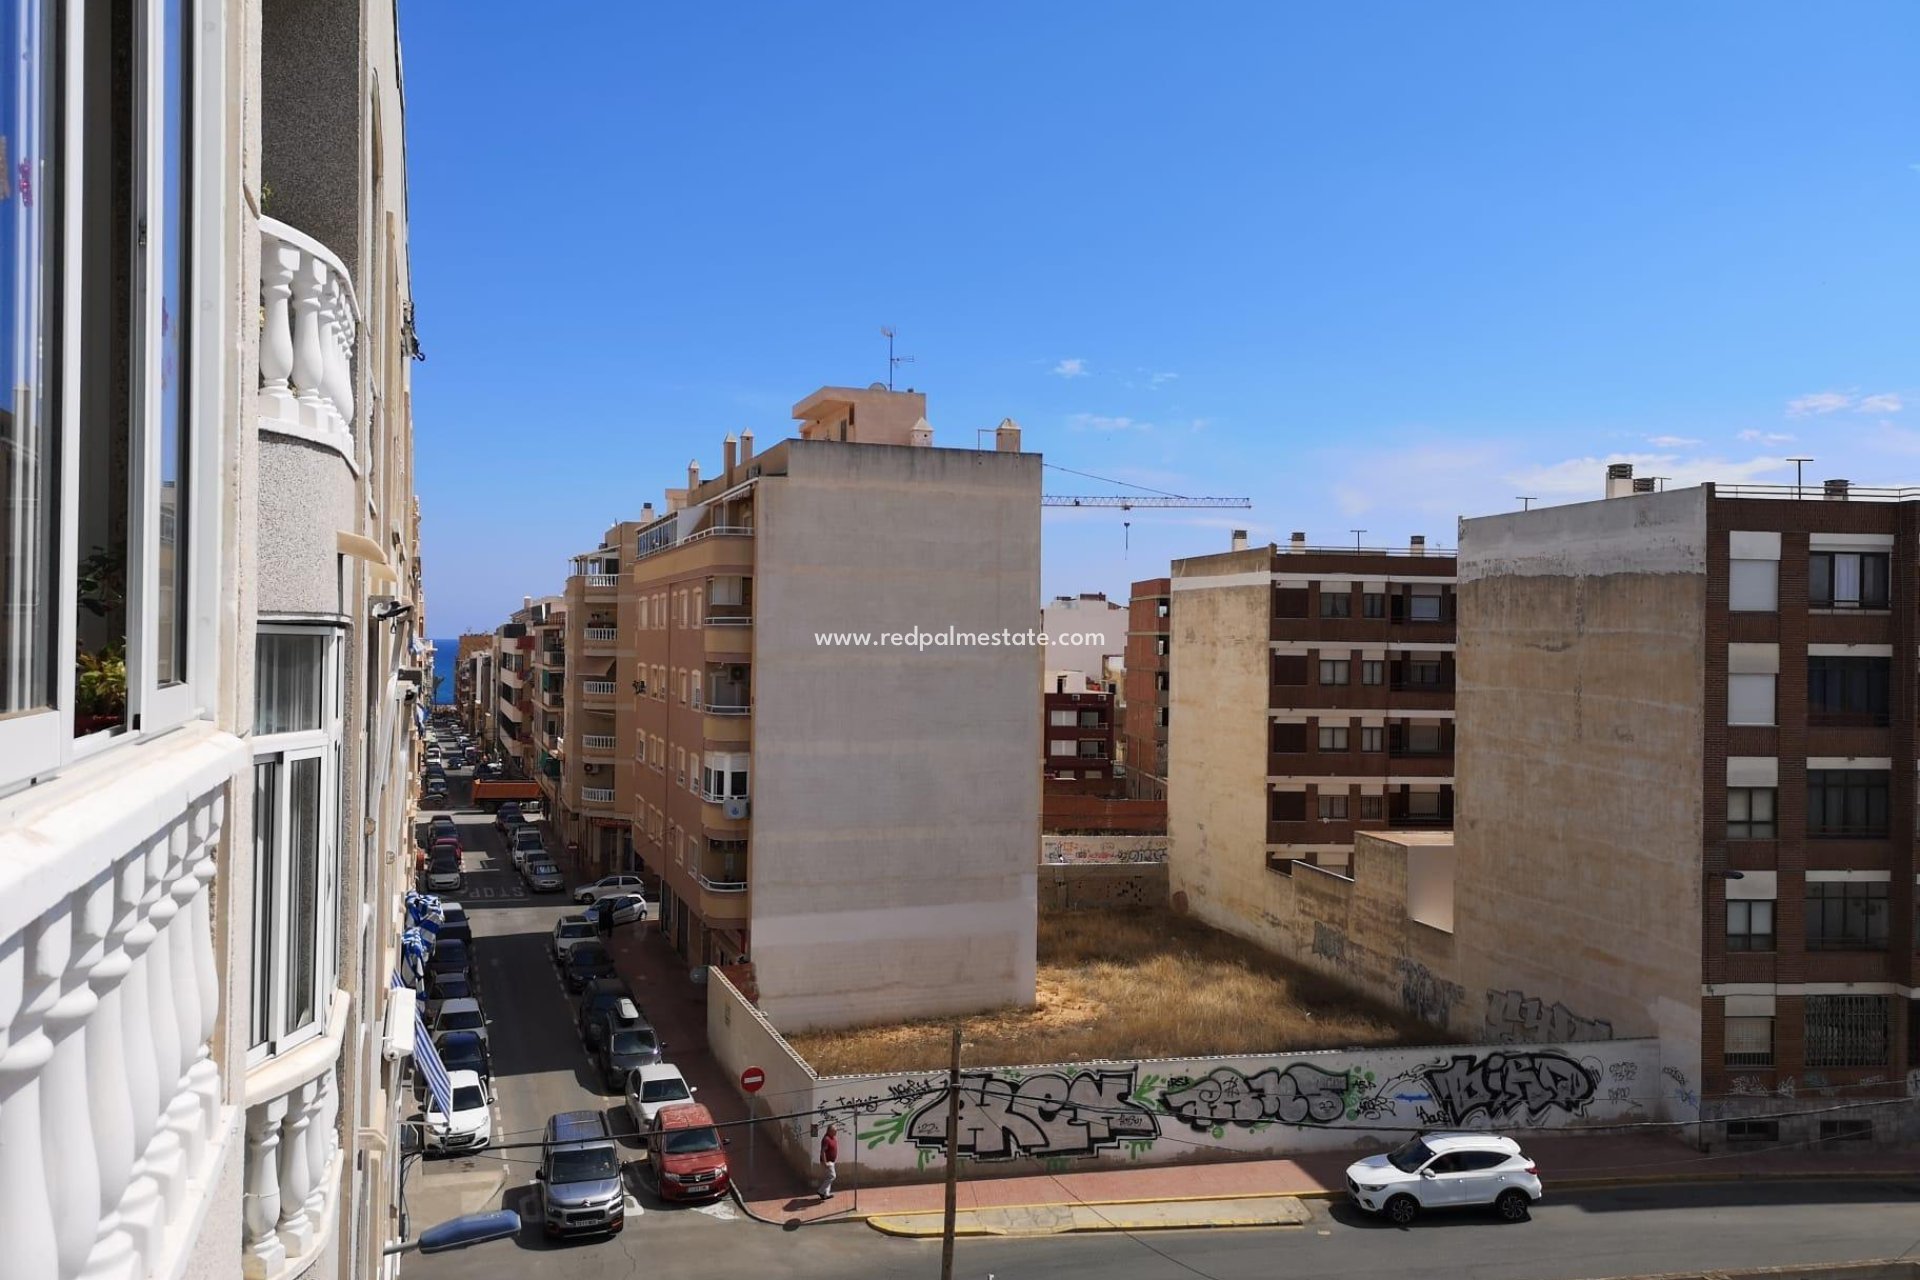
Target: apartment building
x: 1713, y: 692
x: 826, y: 812
x: 546, y: 688
x: 470, y: 677
x: 1079, y: 735
x: 206, y: 461
x: 1083, y: 632
x: 514, y: 728
x: 1147, y: 688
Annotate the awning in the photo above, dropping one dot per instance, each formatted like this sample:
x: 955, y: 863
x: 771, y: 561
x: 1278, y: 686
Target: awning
x: 365, y: 549
x: 426, y: 1060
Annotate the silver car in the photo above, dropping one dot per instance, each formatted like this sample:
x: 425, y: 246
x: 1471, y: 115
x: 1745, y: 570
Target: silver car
x: 544, y: 877
x: 569, y: 930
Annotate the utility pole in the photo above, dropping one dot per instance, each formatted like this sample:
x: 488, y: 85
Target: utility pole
x: 953, y: 1156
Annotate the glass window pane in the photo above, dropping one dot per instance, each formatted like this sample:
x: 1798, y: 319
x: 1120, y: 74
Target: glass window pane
x: 266, y: 779
x: 290, y: 679
x: 29, y: 332
x: 1846, y: 579
x: 304, y: 812
x: 175, y: 164
x: 1753, y: 586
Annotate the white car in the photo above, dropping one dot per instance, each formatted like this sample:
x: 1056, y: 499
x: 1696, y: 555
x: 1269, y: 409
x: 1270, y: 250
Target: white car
x: 649, y: 1089
x: 1446, y: 1171
x: 626, y: 908
x: 569, y: 930
x: 470, y: 1126
x: 459, y: 1015
x: 607, y: 887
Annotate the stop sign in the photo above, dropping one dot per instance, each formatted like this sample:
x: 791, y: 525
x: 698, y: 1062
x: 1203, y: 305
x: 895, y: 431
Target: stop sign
x: 752, y: 1078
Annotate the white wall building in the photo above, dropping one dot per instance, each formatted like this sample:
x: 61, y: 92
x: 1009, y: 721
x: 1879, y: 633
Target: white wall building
x: 206, y: 492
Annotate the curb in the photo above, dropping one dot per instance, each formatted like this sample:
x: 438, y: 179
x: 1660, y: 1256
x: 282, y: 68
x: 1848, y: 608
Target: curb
x: 889, y: 1224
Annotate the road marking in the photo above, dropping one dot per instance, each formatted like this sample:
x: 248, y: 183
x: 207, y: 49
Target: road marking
x: 722, y: 1209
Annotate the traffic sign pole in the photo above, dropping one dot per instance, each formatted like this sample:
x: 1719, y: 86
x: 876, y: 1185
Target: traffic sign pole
x: 752, y: 1080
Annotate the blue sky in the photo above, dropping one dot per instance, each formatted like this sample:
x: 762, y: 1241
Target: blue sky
x: 1372, y: 266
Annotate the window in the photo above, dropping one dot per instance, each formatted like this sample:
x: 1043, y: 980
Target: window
x: 1750, y: 924
x: 1847, y: 691
x: 1856, y: 1129
x: 1373, y: 808
x: 1753, y: 586
x: 1160, y: 682
x: 1373, y: 738
x: 1333, y: 808
x: 1755, y: 1130
x: 1286, y: 806
x: 297, y: 734
x: 1373, y: 671
x: 1060, y: 717
x: 1289, y: 668
x: 1333, y: 671
x: 1333, y: 737
x: 1373, y: 604
x: 1846, y: 915
x: 1423, y: 673
x: 1423, y: 805
x: 1424, y: 605
x: 1286, y: 737
x: 1847, y: 803
x: 1336, y: 604
x: 1750, y: 813
x: 696, y: 680
x: 1847, y: 580
x: 1160, y: 609
x: 1424, y: 739
x: 1289, y: 602
x: 1750, y: 699
x: 1060, y: 747
x: 1846, y: 1031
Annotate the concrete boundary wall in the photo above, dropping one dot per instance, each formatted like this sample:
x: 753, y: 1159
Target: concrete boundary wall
x: 1084, y: 1116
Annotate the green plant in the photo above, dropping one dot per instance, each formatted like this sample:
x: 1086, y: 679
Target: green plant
x: 101, y: 689
x: 103, y: 582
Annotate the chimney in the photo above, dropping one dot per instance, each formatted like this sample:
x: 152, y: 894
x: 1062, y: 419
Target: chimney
x: 1006, y: 436
x: 746, y: 446
x: 1298, y: 542
x: 1059, y: 684
x: 1417, y: 545
x: 1836, y: 490
x: 693, y: 474
x: 646, y: 513
x: 1645, y: 484
x: 1619, y: 479
x: 920, y: 436
x: 729, y: 450
x: 526, y: 602
x: 1239, y: 539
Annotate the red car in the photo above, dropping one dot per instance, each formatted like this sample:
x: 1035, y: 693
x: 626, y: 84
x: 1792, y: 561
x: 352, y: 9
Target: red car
x: 687, y: 1154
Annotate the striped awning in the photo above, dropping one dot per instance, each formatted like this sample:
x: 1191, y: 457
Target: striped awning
x: 426, y: 1060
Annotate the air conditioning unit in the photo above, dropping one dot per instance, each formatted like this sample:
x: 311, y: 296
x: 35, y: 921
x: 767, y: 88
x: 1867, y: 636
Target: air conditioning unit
x: 736, y: 673
x: 590, y: 768
x: 735, y: 807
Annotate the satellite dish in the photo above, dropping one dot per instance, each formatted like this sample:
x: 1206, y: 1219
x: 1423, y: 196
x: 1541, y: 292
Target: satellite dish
x: 878, y: 386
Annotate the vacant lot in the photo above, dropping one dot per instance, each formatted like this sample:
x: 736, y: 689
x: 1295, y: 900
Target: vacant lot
x: 1127, y: 984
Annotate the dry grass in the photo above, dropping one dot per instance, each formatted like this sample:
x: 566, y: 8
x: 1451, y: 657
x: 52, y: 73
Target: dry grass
x: 1133, y: 984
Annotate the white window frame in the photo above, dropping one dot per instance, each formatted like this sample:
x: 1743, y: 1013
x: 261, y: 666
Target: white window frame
x: 1739, y: 601
x: 37, y: 743
x: 325, y: 745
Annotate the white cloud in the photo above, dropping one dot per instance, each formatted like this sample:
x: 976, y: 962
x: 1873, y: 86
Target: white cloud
x: 1074, y: 368
x: 1819, y: 402
x: 1885, y: 402
x: 1766, y: 437
x: 1100, y: 422
x: 1673, y: 442
x: 1155, y: 380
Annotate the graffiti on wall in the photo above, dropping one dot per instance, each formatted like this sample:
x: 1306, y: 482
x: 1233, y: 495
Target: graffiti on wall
x: 1506, y: 1086
x: 1424, y: 994
x: 1068, y: 850
x: 1329, y: 943
x: 1299, y: 1094
x: 1514, y: 1017
x: 1048, y: 1113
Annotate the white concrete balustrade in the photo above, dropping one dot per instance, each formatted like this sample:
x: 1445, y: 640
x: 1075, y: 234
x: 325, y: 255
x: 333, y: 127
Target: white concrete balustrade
x: 293, y: 1153
x: 600, y: 743
x: 602, y: 635
x: 309, y: 324
x: 596, y: 795
x: 112, y: 1120
x: 597, y: 688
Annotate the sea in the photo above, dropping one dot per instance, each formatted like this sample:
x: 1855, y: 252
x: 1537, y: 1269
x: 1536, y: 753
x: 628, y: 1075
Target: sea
x: 445, y: 654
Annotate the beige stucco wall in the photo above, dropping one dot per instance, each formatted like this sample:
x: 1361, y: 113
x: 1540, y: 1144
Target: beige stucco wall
x: 896, y: 791
x: 1217, y: 745
x: 1580, y: 703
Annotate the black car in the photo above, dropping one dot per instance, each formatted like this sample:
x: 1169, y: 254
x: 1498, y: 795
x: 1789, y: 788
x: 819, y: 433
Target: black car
x: 450, y: 985
x: 507, y: 817
x: 450, y: 955
x: 587, y: 961
x: 459, y: 1051
x: 454, y: 925
x: 627, y: 1050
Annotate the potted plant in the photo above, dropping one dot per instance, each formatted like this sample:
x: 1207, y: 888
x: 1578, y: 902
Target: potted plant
x: 100, y: 690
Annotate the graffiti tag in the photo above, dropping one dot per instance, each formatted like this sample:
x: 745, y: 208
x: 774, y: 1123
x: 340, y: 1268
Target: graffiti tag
x: 1049, y: 1113
x: 1424, y: 995
x: 1514, y: 1017
x: 1500, y: 1085
x: 1298, y: 1095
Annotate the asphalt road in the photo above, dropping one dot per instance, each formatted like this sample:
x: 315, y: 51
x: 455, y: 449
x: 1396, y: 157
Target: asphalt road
x: 541, y: 1068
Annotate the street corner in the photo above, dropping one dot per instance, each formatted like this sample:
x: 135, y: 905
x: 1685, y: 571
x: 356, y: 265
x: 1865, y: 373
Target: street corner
x: 1127, y: 1216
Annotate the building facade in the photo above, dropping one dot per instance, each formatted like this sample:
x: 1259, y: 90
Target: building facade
x: 601, y: 620
x: 1079, y: 733
x: 1084, y: 632
x: 1148, y: 691
x: 209, y: 496
x: 469, y: 678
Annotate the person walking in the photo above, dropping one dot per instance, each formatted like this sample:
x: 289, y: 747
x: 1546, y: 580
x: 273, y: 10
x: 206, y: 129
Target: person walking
x: 829, y: 1154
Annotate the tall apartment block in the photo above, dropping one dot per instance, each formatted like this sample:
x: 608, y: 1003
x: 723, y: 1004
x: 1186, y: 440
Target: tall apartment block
x: 1148, y: 692
x: 831, y: 811
x: 546, y: 689
x: 596, y: 776
x: 1701, y: 705
x: 1079, y: 735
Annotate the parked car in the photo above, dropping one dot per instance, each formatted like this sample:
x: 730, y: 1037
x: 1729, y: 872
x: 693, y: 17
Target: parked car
x: 527, y: 843
x: 460, y: 1015
x: 567, y: 931
x: 450, y: 956
x: 441, y: 828
x: 448, y: 985
x: 650, y: 1089
x: 444, y: 874
x: 607, y: 887
x: 462, y: 1051
x: 1446, y: 1171
x: 454, y: 923
x: 599, y: 1016
x: 687, y: 1155
x: 625, y: 1052
x: 544, y: 877
x: 579, y: 1179
x: 507, y: 818
x: 469, y: 1126
x: 587, y: 960
x: 627, y: 908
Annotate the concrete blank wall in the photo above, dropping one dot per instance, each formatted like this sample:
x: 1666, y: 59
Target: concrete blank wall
x: 896, y: 791
x: 307, y: 495
x: 1581, y: 718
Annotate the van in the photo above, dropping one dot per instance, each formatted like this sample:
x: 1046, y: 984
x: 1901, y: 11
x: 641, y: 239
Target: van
x: 581, y: 1191
x: 687, y: 1154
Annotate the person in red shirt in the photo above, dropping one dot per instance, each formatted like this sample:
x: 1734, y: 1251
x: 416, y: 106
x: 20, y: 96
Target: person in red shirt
x: 829, y: 1153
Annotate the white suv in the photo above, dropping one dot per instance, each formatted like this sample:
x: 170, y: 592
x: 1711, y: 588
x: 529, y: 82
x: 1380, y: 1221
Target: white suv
x: 608, y: 887
x: 1446, y: 1171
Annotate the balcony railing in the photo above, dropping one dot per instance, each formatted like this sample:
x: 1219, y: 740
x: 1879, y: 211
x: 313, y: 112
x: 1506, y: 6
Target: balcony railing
x: 597, y: 688
x: 309, y: 323
x: 602, y: 635
x: 602, y: 581
x: 596, y: 795
x: 729, y: 619
x: 600, y: 742
x: 728, y: 709
x: 717, y: 531
x: 720, y: 886
x: 293, y: 1154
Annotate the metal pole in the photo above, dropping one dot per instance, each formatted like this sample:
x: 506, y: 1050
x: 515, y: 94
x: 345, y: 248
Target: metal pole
x: 953, y: 1156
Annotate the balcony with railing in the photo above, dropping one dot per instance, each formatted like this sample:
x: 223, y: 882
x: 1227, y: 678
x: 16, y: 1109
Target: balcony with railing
x: 600, y: 797
x: 596, y: 744
x: 600, y: 584
x: 599, y: 639
x: 293, y: 1153
x: 597, y: 691
x: 309, y: 327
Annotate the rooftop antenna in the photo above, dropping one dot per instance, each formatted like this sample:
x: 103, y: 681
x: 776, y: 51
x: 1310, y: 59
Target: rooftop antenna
x: 893, y: 361
x: 1798, y: 463
x: 1526, y: 501
x: 1662, y: 481
x: 1356, y: 537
